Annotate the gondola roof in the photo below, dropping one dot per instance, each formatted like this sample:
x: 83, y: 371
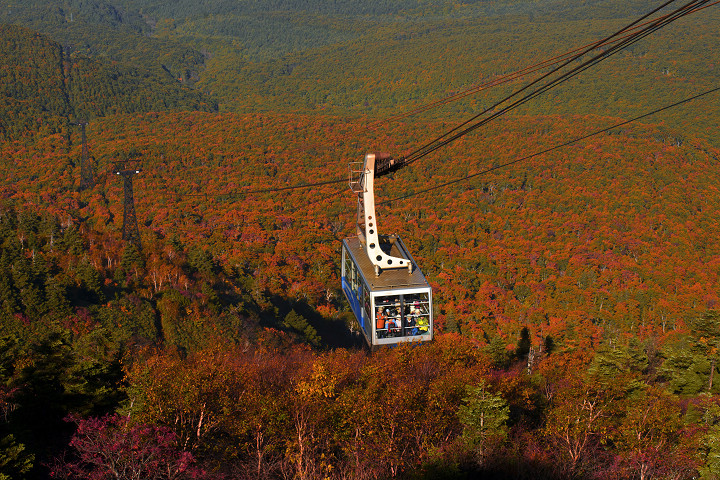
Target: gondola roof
x: 389, y: 279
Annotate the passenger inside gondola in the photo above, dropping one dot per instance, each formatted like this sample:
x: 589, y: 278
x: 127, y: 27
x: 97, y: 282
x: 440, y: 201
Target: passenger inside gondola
x: 420, y: 314
x: 381, y: 323
x: 423, y: 324
x: 402, y: 316
x: 393, y: 327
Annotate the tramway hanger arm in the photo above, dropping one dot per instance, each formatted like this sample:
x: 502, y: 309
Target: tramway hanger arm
x: 362, y: 181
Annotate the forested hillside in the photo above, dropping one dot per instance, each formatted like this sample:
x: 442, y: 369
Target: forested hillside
x: 576, y: 291
x: 609, y: 246
x: 382, y: 58
x: 45, y: 89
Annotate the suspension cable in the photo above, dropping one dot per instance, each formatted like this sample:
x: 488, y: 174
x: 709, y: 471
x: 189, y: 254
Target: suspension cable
x: 511, y: 76
x: 468, y: 126
x: 616, y: 42
x: 556, y: 147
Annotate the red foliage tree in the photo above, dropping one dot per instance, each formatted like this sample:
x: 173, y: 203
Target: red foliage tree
x: 112, y: 448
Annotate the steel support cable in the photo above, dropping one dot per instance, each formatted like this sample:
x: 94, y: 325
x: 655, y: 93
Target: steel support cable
x: 333, y: 194
x: 430, y: 147
x: 435, y: 144
x: 267, y: 190
x: 619, y: 43
x: 442, y: 140
x: 289, y: 187
x: 574, y: 72
x: 511, y: 76
x: 519, y: 74
x: 612, y: 50
x: 556, y: 147
x: 327, y: 196
x: 489, y: 84
x: 514, y: 105
x: 623, y: 42
x: 280, y: 209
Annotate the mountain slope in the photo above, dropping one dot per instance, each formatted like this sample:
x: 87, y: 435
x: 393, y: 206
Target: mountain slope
x: 45, y: 89
x: 354, y: 58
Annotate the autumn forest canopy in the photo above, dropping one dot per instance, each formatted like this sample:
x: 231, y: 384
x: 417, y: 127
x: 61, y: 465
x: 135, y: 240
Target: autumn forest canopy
x: 576, y: 291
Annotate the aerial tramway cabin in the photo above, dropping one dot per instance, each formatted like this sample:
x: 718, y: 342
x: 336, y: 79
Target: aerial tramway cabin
x: 393, y: 307
x: 386, y: 290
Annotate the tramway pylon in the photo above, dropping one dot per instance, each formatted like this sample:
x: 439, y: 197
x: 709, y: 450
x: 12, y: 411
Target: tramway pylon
x: 130, y: 230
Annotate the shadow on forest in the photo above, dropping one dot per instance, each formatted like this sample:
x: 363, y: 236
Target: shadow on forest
x: 334, y: 333
x: 507, y: 468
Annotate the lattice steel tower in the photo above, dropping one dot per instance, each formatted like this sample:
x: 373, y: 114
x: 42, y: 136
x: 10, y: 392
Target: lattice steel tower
x: 130, y: 230
x: 86, y: 168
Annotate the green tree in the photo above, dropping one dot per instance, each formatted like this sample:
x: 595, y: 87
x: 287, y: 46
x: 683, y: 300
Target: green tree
x: 497, y: 349
x: 91, y: 281
x: 484, y: 417
x: 31, y: 296
x: 619, y: 363
x: 8, y: 293
x: 650, y: 436
x: 300, y: 325
x: 691, y: 362
x: 131, y: 263
x: 710, y: 451
x: 72, y: 241
x: 15, y: 462
x: 58, y: 305
x: 706, y: 331
x: 201, y: 261
x: 524, y: 344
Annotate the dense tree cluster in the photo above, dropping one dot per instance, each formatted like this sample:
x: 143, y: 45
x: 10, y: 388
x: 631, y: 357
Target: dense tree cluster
x: 34, y: 99
x: 106, y: 31
x: 45, y: 89
x: 358, y: 57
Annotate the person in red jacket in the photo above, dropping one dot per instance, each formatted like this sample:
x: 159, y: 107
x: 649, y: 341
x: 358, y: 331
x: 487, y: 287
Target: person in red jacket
x: 380, y: 323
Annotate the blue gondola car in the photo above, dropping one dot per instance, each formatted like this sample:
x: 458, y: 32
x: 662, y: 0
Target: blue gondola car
x: 393, y: 307
x: 387, y: 292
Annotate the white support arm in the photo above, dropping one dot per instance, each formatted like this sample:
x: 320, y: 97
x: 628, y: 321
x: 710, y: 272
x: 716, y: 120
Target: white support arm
x: 380, y: 259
